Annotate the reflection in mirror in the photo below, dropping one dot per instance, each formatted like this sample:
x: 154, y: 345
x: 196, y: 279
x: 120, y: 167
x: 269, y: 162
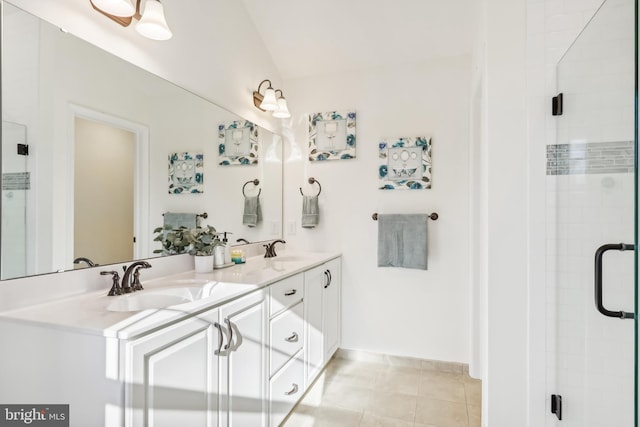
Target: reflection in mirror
x: 99, y: 133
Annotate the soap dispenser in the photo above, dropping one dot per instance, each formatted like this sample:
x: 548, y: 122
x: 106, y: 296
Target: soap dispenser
x: 227, y: 248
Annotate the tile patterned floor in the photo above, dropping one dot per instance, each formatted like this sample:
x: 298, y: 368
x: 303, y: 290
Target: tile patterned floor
x: 360, y: 394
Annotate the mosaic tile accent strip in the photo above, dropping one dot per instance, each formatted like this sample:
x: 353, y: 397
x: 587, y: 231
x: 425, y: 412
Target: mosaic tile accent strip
x: 16, y: 181
x: 590, y: 158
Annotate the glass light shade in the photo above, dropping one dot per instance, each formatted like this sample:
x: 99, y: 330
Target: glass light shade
x: 153, y: 24
x: 269, y: 102
x: 282, y: 112
x: 122, y: 8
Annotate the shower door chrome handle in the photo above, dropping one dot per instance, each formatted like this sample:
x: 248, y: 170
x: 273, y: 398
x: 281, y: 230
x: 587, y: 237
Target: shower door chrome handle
x: 598, y: 279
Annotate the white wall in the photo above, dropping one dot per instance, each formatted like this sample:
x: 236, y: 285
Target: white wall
x: 503, y: 177
x: 390, y: 310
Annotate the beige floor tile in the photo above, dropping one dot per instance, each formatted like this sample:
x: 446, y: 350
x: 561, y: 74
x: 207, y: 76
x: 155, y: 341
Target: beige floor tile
x: 402, y: 381
x: 475, y: 417
x: 357, y: 373
x: 392, y: 405
x: 346, y: 395
x: 334, y: 417
x: 436, y: 365
x: 442, y: 388
x: 473, y: 391
x: 441, y: 413
x: 356, y: 393
x: 369, y: 420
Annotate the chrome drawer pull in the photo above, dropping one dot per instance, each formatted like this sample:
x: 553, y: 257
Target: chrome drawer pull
x: 292, y: 338
x: 220, y: 338
x: 291, y: 292
x: 230, y: 337
x: 294, y: 390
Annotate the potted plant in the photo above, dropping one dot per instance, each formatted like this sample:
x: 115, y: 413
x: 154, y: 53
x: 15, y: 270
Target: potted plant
x: 173, y: 241
x: 199, y: 242
x: 203, y: 243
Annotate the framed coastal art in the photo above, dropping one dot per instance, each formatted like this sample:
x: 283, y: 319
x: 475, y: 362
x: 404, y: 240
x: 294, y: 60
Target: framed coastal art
x: 238, y: 143
x: 332, y: 135
x: 404, y: 163
x: 186, y: 173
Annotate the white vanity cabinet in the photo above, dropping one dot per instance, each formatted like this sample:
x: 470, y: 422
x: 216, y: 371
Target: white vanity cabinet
x: 240, y: 358
x: 209, y: 370
x: 243, y: 362
x: 322, y: 316
x: 286, y: 355
x: 172, y: 375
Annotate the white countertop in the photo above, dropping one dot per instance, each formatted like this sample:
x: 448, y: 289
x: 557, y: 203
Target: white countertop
x: 90, y: 312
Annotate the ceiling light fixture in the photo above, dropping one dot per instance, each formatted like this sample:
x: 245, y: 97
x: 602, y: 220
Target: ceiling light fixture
x: 152, y: 23
x: 270, y: 101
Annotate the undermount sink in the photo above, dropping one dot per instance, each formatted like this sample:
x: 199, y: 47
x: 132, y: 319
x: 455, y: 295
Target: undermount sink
x: 159, y: 298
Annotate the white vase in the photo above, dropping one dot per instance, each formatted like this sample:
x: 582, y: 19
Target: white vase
x: 203, y: 264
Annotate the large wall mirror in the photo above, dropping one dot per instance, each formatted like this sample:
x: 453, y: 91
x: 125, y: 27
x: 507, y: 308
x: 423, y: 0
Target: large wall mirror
x: 87, y: 140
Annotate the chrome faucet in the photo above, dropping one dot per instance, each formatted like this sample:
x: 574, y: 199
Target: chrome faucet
x: 85, y: 260
x: 271, y: 248
x: 115, y: 287
x: 127, y: 285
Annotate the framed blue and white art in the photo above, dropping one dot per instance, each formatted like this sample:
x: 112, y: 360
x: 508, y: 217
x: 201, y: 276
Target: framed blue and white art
x: 238, y: 143
x: 186, y: 173
x: 332, y: 135
x: 405, y: 163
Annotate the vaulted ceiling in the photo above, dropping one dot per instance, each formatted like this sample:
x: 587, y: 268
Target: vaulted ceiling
x: 308, y: 38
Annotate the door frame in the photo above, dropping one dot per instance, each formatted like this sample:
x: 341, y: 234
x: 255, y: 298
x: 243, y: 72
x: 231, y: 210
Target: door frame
x: 140, y: 173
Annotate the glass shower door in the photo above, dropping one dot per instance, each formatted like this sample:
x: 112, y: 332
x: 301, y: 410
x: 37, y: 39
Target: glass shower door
x: 15, y: 186
x: 592, y: 201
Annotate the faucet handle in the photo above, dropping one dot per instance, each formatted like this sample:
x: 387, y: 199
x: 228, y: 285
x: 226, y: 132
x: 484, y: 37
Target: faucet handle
x: 136, y: 285
x: 115, y: 288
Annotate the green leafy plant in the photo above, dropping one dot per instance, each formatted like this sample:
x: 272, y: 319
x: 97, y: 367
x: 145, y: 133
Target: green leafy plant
x: 198, y: 241
x: 203, y: 240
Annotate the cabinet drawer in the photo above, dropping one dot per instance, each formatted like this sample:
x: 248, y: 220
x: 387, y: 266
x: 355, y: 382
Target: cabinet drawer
x: 286, y: 292
x: 285, y: 389
x: 287, y: 337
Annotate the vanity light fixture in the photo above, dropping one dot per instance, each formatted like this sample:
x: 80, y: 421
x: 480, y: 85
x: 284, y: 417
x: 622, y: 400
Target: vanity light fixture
x: 271, y: 101
x: 282, y: 112
x: 152, y: 23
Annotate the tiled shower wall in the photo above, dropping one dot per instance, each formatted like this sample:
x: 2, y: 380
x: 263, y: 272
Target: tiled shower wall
x: 590, y: 158
x: 589, y: 202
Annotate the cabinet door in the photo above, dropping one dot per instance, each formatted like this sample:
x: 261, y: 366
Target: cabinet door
x: 331, y: 308
x: 314, y: 281
x: 244, y: 363
x: 172, y: 377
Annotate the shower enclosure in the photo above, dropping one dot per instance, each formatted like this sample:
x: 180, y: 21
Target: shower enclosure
x: 592, y: 217
x: 16, y: 183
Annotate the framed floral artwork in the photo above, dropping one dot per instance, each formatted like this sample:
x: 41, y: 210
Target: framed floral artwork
x: 186, y: 173
x: 405, y: 163
x: 332, y: 135
x: 238, y: 143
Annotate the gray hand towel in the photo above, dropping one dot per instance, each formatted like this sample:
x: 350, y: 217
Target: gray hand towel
x: 174, y: 221
x: 252, y: 212
x: 310, y: 211
x: 402, y: 241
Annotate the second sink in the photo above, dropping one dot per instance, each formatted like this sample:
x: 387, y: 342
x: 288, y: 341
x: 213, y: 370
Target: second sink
x: 159, y: 298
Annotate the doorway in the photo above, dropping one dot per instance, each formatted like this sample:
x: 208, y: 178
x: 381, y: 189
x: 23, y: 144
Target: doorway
x: 110, y: 196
